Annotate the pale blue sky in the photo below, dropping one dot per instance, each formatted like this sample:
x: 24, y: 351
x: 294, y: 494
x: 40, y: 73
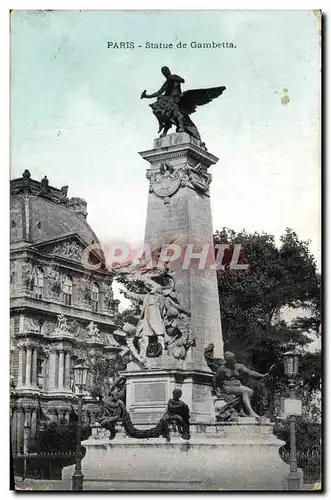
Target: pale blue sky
x: 77, y: 116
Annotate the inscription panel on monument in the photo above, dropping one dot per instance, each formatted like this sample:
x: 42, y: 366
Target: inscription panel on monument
x: 148, y: 392
x: 165, y: 223
x: 200, y: 393
x: 200, y: 219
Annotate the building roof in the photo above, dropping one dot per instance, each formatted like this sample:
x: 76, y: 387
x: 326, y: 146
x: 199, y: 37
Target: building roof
x: 40, y: 212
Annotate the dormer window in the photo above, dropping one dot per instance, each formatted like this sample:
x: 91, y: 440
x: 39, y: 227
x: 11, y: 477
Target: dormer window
x: 95, y: 297
x: 67, y: 290
x: 38, y: 283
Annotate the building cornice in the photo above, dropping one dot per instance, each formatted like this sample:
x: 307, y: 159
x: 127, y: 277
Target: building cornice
x: 54, y: 308
x: 35, y: 252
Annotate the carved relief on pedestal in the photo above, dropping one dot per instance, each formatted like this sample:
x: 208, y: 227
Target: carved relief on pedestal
x: 198, y: 178
x: 165, y: 182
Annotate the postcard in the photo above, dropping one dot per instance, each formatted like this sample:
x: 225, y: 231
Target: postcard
x: 165, y: 256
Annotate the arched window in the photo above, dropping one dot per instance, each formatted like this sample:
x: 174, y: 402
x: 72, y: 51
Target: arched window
x: 38, y: 283
x: 67, y: 290
x: 95, y: 297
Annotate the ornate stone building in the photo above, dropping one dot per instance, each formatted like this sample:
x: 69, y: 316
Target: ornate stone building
x: 62, y: 310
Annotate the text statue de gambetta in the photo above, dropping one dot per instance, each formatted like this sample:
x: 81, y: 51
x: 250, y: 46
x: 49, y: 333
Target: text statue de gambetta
x: 173, y: 106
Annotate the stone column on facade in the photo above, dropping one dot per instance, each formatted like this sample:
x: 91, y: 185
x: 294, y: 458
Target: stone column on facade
x: 21, y: 323
x: 28, y: 366
x: 21, y: 366
x: 67, y: 370
x: 27, y: 415
x: 14, y: 432
x: 45, y: 374
x: 52, y: 369
x: 20, y: 430
x: 27, y: 428
x: 61, y: 369
x: 27, y: 432
x: 34, y: 367
x: 34, y: 426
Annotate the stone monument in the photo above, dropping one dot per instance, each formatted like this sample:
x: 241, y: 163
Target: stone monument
x: 179, y: 216
x: 176, y: 344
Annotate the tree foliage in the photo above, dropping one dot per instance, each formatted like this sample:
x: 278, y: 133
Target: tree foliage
x: 308, y: 434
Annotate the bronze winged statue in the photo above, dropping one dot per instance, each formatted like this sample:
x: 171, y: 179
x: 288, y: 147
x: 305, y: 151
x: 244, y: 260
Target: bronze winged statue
x: 173, y: 106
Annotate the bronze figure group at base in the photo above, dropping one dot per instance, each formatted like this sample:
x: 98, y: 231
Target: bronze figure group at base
x: 176, y: 418
x: 227, y: 388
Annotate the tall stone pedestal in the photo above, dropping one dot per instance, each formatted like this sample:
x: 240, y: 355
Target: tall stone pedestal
x: 179, y: 213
